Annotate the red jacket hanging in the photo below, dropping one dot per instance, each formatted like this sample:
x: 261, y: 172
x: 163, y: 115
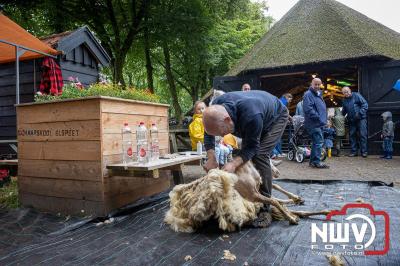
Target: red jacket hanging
x: 52, y: 81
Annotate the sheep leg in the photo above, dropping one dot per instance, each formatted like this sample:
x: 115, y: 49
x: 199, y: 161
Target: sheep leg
x: 296, y: 199
x: 275, y: 172
x: 285, y: 201
x: 293, y: 219
x: 304, y: 214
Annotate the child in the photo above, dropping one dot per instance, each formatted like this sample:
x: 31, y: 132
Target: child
x: 329, y: 136
x: 222, y: 151
x: 196, y: 128
x: 387, y: 135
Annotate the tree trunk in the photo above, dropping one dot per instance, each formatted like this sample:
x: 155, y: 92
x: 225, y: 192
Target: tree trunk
x: 171, y: 83
x: 193, y: 94
x: 118, y: 70
x: 149, y: 66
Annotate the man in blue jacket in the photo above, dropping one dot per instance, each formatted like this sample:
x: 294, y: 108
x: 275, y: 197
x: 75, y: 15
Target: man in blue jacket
x: 315, y: 118
x: 356, y: 107
x: 257, y: 117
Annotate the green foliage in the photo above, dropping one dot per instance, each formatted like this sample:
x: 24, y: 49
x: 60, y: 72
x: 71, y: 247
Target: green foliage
x: 205, y: 38
x: 112, y: 90
x: 9, y: 195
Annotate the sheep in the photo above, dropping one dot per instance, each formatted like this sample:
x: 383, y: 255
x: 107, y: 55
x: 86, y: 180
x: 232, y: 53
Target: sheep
x: 233, y: 199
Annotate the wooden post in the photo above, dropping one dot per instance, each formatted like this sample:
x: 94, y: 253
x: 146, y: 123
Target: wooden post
x: 173, y: 142
x: 178, y: 175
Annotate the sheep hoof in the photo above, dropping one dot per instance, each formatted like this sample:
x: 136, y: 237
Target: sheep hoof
x: 299, y: 201
x: 294, y: 220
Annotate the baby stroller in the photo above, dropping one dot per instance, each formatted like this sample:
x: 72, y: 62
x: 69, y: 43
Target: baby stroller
x: 299, y: 146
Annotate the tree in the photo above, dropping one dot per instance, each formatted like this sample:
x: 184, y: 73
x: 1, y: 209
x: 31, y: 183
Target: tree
x: 173, y: 48
x: 115, y: 22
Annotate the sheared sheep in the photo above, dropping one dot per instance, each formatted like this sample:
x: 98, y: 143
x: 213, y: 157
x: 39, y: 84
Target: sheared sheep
x: 233, y: 199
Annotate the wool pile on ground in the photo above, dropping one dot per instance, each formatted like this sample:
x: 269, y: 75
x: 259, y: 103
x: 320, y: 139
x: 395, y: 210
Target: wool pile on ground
x: 212, y: 196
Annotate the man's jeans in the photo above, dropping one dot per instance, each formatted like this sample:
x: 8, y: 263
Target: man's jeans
x: 267, y: 143
x: 360, y: 127
x: 317, y: 138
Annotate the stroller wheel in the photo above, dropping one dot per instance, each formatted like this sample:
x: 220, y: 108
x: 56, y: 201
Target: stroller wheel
x: 290, y: 155
x: 299, y: 156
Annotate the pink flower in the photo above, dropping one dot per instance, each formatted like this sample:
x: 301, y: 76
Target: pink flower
x: 79, y: 85
x: 71, y: 79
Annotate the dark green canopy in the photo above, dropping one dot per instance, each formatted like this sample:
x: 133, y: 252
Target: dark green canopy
x: 315, y: 31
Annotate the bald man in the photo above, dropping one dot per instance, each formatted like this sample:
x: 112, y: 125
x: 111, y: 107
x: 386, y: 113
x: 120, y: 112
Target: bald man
x: 259, y: 118
x: 355, y: 107
x: 315, y: 118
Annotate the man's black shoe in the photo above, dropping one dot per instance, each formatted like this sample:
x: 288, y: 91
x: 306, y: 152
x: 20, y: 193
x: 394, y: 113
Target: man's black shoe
x: 364, y: 155
x: 320, y: 165
x: 352, y: 155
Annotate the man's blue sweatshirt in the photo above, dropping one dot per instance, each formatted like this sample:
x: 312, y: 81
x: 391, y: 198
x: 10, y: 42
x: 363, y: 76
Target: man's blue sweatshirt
x: 253, y: 113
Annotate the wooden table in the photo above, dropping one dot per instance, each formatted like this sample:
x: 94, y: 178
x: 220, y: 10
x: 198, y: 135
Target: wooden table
x: 151, y: 169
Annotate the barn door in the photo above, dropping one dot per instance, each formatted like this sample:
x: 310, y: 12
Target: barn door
x: 377, y: 85
x: 377, y: 81
x: 234, y: 83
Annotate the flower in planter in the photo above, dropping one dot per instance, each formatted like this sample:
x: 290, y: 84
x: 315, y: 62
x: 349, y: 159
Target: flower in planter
x: 78, y: 84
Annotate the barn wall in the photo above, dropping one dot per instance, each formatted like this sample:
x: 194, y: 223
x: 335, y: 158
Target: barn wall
x: 8, y: 99
x: 377, y: 82
x: 80, y: 63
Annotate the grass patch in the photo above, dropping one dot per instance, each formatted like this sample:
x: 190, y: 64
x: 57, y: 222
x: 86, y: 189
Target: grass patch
x: 9, y: 195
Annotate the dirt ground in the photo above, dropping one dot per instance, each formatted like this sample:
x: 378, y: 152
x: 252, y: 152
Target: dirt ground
x: 341, y: 168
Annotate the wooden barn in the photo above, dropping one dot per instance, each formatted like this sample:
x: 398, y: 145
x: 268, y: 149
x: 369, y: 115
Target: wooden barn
x: 329, y: 40
x: 82, y: 54
x: 78, y: 53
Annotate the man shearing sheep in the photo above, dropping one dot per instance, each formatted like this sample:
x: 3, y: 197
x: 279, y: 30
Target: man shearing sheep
x: 259, y: 118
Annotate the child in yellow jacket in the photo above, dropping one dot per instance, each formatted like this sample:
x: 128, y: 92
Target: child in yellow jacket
x: 196, y: 128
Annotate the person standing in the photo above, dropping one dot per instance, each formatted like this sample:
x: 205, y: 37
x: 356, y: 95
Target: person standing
x: 356, y: 107
x: 387, y: 135
x: 277, y: 152
x: 339, y: 125
x: 315, y: 118
x: 196, y: 128
x: 299, y: 108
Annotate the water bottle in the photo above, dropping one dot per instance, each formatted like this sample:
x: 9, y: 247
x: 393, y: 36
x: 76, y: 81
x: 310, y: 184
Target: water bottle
x: 142, y: 148
x: 199, y: 148
x: 127, y: 152
x: 155, y: 148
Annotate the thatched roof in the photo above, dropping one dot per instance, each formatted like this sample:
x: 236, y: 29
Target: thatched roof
x: 318, y: 31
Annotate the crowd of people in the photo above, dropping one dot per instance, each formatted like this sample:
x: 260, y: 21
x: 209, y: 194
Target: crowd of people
x: 252, y: 122
x: 326, y: 132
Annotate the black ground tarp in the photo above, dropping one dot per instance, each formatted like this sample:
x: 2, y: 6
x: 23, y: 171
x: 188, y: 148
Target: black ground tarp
x: 140, y: 237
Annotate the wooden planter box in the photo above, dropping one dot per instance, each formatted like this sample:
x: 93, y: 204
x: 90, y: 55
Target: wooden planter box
x: 64, y: 147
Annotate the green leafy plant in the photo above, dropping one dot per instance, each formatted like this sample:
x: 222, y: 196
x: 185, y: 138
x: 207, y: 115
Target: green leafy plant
x: 9, y: 195
x: 70, y: 91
